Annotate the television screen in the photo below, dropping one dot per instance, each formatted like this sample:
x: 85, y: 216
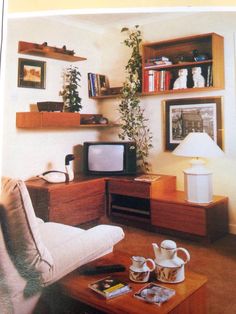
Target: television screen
x: 106, y: 157
x: 110, y: 158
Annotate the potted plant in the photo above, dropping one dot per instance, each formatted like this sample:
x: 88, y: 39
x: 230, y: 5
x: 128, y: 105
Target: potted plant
x: 69, y: 92
x: 133, y: 122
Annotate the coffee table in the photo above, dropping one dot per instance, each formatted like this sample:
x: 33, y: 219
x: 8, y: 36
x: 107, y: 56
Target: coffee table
x: 190, y: 295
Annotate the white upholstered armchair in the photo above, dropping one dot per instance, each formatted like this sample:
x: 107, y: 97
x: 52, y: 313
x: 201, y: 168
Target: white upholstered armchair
x: 35, y: 254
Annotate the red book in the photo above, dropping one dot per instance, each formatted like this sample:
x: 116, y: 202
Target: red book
x: 156, y: 81
x: 146, y: 82
x: 167, y: 80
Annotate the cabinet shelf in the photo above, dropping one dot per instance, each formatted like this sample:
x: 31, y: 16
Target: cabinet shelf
x: 179, y: 65
x: 39, y: 120
x: 47, y: 52
x: 212, y: 67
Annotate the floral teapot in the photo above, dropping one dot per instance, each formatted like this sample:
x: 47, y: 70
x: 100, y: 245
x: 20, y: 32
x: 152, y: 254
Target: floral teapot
x: 169, y: 267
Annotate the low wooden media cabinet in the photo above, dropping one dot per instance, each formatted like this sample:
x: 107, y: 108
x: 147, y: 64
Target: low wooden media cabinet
x: 156, y: 205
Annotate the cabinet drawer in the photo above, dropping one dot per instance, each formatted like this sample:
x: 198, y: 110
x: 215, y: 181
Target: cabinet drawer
x: 131, y: 188
x: 183, y: 218
x: 76, y: 192
x: 78, y: 210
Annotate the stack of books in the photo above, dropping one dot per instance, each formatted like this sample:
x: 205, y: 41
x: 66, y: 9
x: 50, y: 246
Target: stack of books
x: 157, y: 62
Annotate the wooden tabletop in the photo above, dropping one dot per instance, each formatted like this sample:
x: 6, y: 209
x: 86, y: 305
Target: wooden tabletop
x: 75, y: 285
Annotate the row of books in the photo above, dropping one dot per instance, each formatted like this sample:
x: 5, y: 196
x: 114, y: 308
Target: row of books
x: 111, y: 287
x: 98, y: 84
x: 155, y: 81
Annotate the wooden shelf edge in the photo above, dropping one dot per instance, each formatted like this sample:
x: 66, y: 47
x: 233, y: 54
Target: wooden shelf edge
x: 177, y: 65
x: 169, y: 91
x: 105, y: 96
x: 109, y: 125
x: 43, y: 120
x: 183, y: 90
x: 31, y: 49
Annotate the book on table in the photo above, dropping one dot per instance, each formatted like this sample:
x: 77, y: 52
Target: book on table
x: 110, y: 287
x: 154, y: 293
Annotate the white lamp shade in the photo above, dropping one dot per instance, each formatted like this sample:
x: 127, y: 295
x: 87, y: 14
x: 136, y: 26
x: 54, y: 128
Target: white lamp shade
x: 198, y: 145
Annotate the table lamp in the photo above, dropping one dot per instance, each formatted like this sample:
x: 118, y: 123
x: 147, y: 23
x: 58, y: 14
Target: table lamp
x: 197, y: 178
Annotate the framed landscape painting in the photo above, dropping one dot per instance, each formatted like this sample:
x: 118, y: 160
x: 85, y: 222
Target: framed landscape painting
x: 186, y: 115
x: 31, y: 73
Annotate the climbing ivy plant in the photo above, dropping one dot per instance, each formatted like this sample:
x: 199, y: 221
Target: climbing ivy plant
x: 69, y: 92
x: 134, y: 125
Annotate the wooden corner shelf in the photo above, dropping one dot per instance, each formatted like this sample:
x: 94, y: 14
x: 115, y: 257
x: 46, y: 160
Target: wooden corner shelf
x: 40, y: 120
x: 159, y: 79
x: 47, y: 52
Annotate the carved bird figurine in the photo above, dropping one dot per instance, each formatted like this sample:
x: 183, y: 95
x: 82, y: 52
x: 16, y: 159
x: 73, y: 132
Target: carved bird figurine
x: 56, y: 176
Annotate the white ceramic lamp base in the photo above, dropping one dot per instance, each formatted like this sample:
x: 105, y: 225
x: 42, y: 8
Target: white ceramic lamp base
x: 198, y: 183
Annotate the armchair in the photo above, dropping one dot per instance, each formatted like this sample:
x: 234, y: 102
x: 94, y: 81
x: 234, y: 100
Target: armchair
x: 35, y: 254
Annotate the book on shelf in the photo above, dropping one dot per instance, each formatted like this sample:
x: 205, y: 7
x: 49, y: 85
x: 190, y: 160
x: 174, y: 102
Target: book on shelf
x: 98, y: 84
x: 155, y: 81
x: 147, y: 177
x: 209, y: 76
x: 154, y: 293
x: 157, y: 64
x: 110, y: 287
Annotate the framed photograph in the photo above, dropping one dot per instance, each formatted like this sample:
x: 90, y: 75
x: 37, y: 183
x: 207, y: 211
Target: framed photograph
x: 103, y: 84
x: 31, y: 73
x: 183, y: 116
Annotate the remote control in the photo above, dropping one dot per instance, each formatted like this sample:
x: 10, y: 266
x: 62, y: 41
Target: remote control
x: 104, y: 269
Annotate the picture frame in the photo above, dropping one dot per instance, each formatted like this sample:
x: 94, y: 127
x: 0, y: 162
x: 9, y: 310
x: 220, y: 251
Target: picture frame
x: 103, y: 84
x: 200, y: 114
x: 31, y: 73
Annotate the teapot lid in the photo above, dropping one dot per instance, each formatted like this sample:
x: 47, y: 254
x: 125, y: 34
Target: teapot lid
x: 168, y: 245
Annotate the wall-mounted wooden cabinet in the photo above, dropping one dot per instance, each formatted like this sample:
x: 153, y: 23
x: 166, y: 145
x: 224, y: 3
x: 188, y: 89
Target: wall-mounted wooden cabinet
x: 161, y: 62
x: 37, y: 120
x: 47, y: 52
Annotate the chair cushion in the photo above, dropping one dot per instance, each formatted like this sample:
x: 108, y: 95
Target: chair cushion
x: 73, y: 247
x: 21, y: 230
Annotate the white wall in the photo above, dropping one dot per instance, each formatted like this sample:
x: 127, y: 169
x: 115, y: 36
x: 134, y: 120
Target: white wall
x: 27, y: 153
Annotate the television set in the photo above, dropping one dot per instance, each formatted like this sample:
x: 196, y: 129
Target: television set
x: 110, y: 158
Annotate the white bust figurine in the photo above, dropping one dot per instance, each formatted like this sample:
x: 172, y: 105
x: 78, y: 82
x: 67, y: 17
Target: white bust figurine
x: 181, y: 81
x: 198, y: 79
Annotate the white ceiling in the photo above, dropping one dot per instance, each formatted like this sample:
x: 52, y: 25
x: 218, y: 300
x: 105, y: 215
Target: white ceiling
x: 100, y: 22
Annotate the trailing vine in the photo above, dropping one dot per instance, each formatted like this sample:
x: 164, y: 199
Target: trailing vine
x: 133, y: 122
x: 70, y: 93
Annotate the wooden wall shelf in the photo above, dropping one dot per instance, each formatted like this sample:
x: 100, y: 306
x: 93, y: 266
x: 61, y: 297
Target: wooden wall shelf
x: 47, y: 52
x: 159, y: 79
x: 39, y: 120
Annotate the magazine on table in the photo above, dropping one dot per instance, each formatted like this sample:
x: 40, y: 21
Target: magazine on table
x: 110, y: 287
x: 147, y: 178
x: 154, y: 293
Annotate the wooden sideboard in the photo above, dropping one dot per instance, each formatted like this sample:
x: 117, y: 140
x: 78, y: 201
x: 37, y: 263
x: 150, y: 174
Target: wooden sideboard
x: 156, y: 205
x: 71, y: 203
x: 171, y: 212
